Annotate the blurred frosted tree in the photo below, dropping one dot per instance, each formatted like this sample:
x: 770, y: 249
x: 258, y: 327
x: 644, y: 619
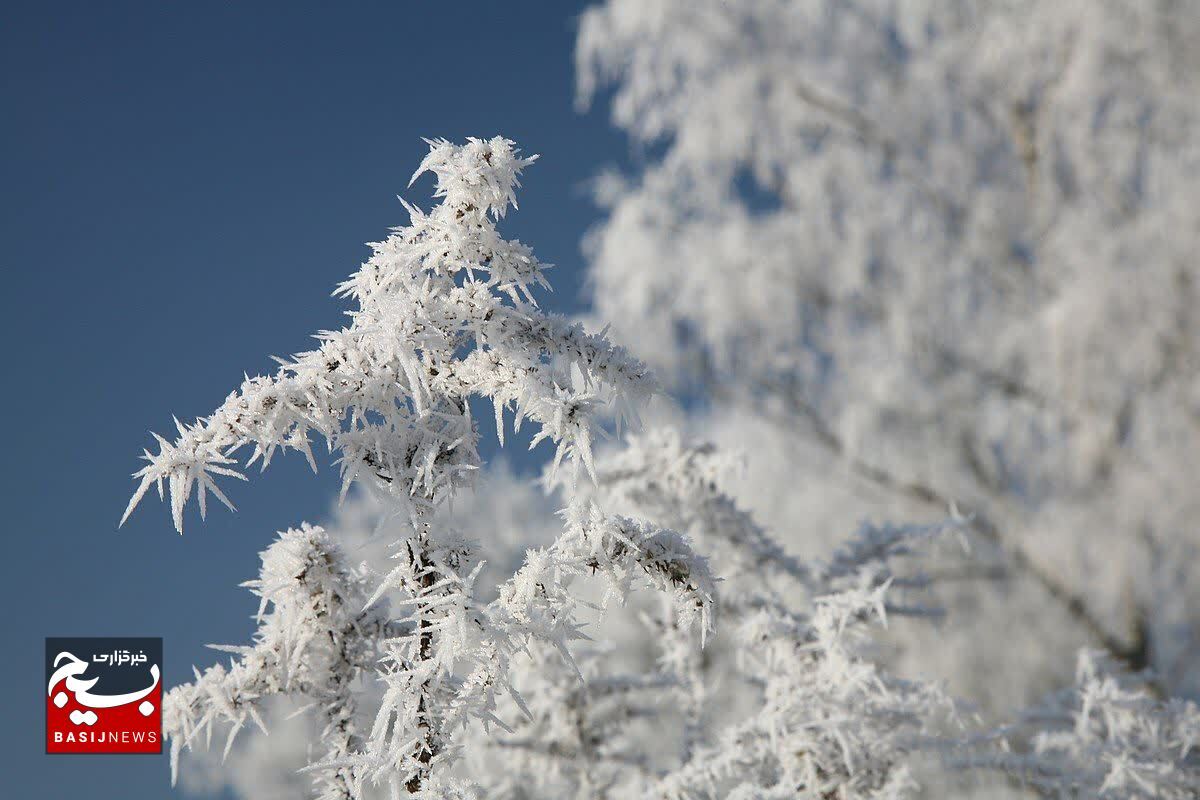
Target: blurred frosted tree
x: 951, y: 247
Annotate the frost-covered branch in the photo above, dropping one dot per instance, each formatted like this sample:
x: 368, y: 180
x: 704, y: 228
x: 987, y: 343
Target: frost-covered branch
x: 445, y: 312
x: 1109, y: 736
x: 314, y: 641
x: 827, y: 720
x: 678, y: 485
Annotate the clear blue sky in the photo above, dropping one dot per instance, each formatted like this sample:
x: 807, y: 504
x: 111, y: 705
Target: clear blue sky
x: 183, y: 185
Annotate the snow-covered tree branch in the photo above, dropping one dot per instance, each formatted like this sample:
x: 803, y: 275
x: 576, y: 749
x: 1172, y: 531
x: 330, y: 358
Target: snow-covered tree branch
x: 1106, y: 737
x: 315, y: 642
x: 445, y: 312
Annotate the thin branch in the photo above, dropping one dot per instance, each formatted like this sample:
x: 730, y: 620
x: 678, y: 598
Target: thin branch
x: 1134, y: 654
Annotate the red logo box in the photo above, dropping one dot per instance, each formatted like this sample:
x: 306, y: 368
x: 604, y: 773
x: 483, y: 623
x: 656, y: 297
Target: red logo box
x: 103, y: 695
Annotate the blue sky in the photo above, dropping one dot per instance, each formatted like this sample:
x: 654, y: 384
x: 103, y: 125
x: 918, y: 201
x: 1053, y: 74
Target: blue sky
x: 184, y: 184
